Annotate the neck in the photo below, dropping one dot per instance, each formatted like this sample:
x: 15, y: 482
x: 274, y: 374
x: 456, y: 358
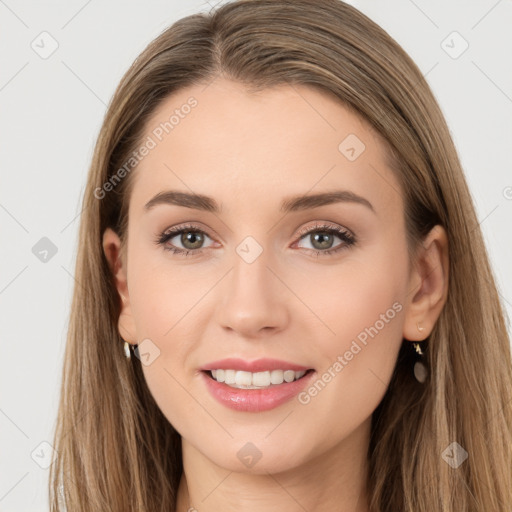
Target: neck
x: 333, y: 480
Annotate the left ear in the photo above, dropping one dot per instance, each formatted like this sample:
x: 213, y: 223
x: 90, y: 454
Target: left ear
x: 428, y: 285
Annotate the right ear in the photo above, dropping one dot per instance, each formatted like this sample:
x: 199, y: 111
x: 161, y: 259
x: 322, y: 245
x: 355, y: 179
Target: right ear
x: 113, y: 253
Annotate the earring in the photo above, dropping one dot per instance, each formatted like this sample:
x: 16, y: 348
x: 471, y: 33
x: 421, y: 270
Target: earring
x: 127, y: 351
x: 417, y: 348
x: 420, y: 370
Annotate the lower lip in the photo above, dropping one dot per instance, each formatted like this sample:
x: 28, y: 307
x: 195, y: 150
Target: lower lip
x: 255, y: 400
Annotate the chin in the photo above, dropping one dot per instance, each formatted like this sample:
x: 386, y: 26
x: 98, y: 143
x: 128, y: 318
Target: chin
x: 255, y: 457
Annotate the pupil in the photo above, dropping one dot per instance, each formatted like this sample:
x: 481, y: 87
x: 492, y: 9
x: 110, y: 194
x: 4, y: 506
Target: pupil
x: 192, y: 237
x: 324, y: 236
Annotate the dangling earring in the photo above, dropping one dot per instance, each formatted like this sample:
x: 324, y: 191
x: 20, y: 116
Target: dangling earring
x: 420, y: 370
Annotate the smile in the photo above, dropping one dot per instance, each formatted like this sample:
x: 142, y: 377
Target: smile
x: 259, y: 380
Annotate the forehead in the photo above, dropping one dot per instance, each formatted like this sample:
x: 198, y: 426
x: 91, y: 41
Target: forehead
x: 239, y: 146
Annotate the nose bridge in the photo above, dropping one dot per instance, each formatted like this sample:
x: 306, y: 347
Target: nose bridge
x: 253, y: 297
x: 251, y: 274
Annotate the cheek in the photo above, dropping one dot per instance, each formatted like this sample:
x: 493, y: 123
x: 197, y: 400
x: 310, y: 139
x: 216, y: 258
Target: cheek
x: 365, y: 311
x: 164, y: 295
x: 167, y: 310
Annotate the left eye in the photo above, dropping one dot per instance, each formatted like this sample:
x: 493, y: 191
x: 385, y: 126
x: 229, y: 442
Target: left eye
x: 321, y: 240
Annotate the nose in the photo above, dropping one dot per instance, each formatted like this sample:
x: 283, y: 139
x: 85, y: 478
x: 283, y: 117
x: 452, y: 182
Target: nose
x: 253, y: 299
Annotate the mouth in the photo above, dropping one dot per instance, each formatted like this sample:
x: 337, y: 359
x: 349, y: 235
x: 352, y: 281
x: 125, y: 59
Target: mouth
x: 239, y: 379
x: 255, y: 385
x: 263, y: 390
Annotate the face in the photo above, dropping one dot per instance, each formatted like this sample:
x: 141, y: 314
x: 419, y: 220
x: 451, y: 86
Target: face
x: 321, y: 285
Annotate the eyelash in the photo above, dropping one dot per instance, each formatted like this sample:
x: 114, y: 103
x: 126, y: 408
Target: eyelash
x: 343, y: 234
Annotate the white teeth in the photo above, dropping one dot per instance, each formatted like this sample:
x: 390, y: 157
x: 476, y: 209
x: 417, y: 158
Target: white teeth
x: 230, y: 376
x: 261, y: 379
x: 289, y: 375
x: 243, y: 378
x: 276, y: 376
x: 247, y: 380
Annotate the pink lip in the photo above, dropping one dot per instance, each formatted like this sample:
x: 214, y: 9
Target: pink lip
x: 255, y: 400
x: 259, y: 365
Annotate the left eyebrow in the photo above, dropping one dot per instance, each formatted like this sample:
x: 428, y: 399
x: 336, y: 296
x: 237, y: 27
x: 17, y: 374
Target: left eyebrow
x: 291, y: 204
x: 298, y: 203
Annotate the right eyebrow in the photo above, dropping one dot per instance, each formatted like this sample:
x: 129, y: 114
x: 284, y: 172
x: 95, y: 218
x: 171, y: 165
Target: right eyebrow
x: 195, y: 201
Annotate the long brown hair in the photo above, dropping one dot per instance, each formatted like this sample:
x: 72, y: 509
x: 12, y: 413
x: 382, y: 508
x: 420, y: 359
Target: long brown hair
x: 116, y: 450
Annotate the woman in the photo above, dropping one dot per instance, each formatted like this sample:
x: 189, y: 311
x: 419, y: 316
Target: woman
x: 285, y: 302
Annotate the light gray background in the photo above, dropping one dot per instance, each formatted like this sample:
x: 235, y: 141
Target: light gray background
x: 51, y: 111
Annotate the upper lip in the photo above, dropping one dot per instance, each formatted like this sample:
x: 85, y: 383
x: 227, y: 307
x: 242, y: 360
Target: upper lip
x: 258, y: 365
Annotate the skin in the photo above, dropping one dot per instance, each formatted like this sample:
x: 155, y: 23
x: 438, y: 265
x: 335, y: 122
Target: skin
x: 250, y: 151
